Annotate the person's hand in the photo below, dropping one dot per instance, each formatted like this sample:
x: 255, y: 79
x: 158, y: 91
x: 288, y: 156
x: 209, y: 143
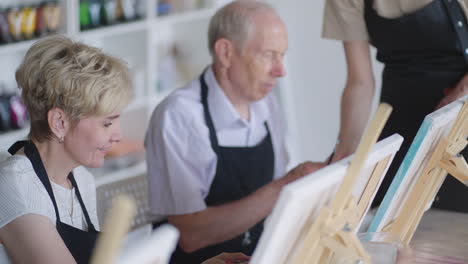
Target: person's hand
x: 302, y: 170
x: 228, y: 258
x: 452, y: 94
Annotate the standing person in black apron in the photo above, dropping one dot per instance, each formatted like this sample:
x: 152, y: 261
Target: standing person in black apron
x: 74, y: 95
x: 215, y: 148
x: 424, y: 46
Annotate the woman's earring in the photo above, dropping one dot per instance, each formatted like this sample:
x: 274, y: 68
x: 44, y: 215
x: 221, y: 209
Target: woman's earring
x: 61, y: 139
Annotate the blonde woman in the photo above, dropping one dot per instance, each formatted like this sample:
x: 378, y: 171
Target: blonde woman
x: 74, y: 94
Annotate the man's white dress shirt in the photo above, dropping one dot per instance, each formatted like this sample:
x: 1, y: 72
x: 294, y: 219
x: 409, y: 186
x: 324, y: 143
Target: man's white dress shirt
x: 181, y: 162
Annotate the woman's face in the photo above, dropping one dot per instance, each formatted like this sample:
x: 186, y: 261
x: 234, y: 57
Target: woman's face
x: 88, y: 142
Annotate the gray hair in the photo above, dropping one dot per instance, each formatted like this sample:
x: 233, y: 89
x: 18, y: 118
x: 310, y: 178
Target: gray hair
x: 234, y: 22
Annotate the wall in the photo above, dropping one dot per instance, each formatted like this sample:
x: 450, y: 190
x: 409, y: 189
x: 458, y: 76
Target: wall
x: 316, y: 74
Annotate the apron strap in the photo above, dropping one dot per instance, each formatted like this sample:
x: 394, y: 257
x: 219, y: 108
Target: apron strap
x: 83, y: 207
x: 368, y: 4
x: 459, y: 22
x: 206, y: 111
x: 16, y: 146
x: 33, y: 154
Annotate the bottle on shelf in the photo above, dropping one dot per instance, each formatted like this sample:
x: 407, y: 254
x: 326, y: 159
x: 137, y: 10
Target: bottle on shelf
x: 108, y: 16
x: 5, y: 36
x: 98, y: 13
x: 51, y: 13
x: 85, y: 20
x: 13, y: 113
x: 163, y: 7
x: 15, y: 16
x: 18, y: 23
x: 94, y: 12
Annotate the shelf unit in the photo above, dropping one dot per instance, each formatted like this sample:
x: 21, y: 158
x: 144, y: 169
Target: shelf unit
x: 141, y: 44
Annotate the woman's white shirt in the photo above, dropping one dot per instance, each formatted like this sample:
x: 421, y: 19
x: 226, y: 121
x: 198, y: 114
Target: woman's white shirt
x: 21, y: 193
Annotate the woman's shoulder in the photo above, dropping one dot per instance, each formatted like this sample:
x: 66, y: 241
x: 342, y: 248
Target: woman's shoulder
x: 21, y: 191
x: 15, y: 169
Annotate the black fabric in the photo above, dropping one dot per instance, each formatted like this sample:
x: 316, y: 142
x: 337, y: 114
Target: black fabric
x: 423, y: 55
x: 240, y: 171
x: 80, y: 243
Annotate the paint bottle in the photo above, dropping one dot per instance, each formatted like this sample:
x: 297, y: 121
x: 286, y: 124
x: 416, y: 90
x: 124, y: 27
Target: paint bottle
x: 15, y: 17
x: 28, y: 23
x: 5, y: 36
x: 108, y: 12
x: 85, y: 20
x: 94, y: 12
x: 39, y: 29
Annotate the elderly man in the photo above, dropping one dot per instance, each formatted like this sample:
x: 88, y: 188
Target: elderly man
x: 215, y: 148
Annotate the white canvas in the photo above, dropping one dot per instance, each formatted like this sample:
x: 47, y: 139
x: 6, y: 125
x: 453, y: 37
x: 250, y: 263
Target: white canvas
x: 300, y: 203
x: 434, y: 127
x: 155, y: 249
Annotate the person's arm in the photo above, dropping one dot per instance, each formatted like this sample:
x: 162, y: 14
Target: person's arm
x: 356, y: 100
x: 220, y: 223
x: 33, y: 238
x: 452, y: 94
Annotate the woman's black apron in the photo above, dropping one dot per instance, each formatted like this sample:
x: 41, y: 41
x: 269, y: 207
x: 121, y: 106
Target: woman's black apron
x: 239, y: 172
x: 80, y: 243
x: 424, y: 52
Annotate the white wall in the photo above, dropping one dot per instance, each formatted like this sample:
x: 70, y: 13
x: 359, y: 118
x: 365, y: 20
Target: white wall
x: 316, y: 74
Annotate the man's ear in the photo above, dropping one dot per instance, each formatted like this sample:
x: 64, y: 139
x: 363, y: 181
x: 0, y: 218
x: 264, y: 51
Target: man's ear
x: 58, y: 122
x: 224, y: 50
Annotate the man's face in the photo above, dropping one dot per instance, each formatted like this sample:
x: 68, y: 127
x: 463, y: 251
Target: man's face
x: 255, y: 68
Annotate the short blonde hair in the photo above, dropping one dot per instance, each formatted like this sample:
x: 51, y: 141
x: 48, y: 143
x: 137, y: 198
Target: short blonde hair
x: 81, y: 80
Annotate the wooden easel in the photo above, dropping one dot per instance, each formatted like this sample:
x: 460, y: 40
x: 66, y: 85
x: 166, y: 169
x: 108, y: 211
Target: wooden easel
x: 445, y: 159
x: 116, y: 226
x: 333, y: 233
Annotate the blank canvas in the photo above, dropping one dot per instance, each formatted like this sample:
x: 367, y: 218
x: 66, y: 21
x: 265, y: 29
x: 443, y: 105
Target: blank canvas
x: 301, y: 201
x: 434, y: 127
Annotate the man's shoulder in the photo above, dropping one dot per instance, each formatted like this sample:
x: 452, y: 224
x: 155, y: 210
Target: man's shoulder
x: 185, y: 96
x: 183, y: 104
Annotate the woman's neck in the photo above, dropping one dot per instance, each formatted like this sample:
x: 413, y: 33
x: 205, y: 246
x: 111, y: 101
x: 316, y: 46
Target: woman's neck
x: 55, y: 161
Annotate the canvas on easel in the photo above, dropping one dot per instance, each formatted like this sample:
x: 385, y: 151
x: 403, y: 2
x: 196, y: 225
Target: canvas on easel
x: 116, y: 226
x: 434, y: 151
x: 308, y: 212
x: 155, y: 249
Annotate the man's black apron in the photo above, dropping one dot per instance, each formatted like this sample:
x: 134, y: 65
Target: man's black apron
x: 424, y: 52
x: 80, y: 243
x: 239, y: 172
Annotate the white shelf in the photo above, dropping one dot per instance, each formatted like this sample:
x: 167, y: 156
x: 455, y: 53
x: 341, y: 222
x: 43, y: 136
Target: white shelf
x: 113, y: 30
x: 125, y: 173
x: 10, y: 137
x: 21, y: 46
x: 184, y: 17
